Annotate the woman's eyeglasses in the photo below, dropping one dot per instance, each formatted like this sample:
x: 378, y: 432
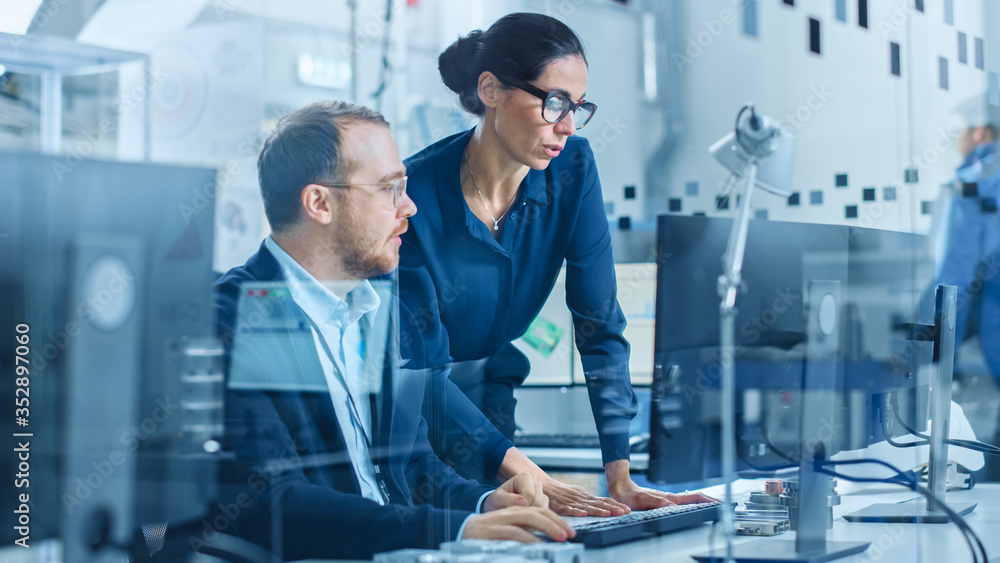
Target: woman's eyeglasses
x: 555, y: 106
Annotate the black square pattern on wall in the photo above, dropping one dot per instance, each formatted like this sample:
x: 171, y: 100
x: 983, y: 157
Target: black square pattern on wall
x: 840, y: 180
x: 816, y: 197
x: 868, y: 194
x: 850, y: 211
x: 814, y: 36
x: 793, y: 200
x: 722, y: 202
x: 675, y: 205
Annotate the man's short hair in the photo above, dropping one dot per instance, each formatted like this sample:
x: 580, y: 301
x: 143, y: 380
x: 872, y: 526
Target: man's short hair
x: 305, y: 148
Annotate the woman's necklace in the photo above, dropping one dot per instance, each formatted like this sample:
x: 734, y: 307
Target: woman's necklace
x: 496, y: 221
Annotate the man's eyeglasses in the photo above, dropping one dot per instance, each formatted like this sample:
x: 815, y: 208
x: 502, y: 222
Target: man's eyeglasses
x: 396, y: 187
x: 555, y: 106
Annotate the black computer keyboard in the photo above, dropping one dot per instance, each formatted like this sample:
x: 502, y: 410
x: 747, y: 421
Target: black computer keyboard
x: 639, y: 525
x: 557, y: 441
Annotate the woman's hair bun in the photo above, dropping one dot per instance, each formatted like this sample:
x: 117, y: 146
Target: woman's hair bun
x: 457, y: 63
x: 459, y: 68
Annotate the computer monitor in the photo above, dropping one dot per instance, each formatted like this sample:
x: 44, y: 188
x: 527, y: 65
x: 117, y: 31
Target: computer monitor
x: 882, y: 276
x: 107, y: 277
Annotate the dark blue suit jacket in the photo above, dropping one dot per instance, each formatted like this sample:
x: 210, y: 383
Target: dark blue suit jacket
x: 289, y: 481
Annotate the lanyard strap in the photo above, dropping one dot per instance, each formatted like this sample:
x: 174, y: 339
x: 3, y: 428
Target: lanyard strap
x: 383, y: 488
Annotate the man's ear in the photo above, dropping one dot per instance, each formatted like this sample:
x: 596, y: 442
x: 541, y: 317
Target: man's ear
x: 489, y: 89
x: 317, y: 204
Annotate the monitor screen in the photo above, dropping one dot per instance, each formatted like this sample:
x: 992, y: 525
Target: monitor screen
x: 884, y: 279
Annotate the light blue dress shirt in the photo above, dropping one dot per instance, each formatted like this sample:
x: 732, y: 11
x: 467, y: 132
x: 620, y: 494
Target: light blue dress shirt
x: 339, y: 324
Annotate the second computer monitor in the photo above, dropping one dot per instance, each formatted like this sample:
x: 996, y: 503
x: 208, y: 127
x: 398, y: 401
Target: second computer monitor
x: 884, y: 278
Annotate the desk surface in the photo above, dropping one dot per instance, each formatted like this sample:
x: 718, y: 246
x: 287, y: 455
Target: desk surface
x: 891, y: 543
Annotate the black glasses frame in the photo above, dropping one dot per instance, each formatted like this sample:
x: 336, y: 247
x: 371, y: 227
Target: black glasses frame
x: 545, y: 95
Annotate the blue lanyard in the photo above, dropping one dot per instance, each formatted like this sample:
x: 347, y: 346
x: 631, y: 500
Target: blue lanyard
x: 382, y: 487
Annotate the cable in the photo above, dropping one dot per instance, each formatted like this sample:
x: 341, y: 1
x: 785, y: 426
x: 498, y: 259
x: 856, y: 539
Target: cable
x: 386, y: 67
x: 773, y: 448
x: 967, y: 444
x: 902, y: 478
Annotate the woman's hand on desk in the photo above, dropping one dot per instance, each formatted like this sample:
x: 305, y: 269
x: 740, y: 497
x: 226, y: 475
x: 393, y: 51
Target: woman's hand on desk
x: 567, y: 500
x: 572, y: 500
x: 624, y: 490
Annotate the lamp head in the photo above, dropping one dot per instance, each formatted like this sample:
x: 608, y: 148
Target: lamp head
x: 758, y: 139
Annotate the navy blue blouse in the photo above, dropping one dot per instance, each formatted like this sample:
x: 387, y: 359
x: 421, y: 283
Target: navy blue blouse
x: 484, y: 292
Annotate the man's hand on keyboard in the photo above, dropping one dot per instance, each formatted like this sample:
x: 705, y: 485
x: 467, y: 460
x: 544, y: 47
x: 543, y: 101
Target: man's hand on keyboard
x: 624, y: 490
x: 519, y: 490
x: 571, y: 500
x: 517, y: 523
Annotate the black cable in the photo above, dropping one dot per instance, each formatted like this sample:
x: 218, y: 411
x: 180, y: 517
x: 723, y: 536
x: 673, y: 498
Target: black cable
x: 736, y: 128
x: 967, y: 444
x: 386, y: 65
x: 773, y: 448
x: 912, y: 483
x: 763, y: 468
x: 965, y: 530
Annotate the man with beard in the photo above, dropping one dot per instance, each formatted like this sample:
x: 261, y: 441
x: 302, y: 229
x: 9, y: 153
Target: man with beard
x: 329, y: 450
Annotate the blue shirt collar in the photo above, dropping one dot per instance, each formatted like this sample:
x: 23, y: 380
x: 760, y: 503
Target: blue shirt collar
x: 316, y: 300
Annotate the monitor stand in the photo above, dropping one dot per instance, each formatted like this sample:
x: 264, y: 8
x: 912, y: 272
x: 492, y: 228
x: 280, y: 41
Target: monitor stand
x: 783, y: 551
x: 818, y: 394
x: 921, y: 511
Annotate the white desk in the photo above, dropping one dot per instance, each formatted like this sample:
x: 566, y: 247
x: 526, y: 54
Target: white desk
x: 891, y: 543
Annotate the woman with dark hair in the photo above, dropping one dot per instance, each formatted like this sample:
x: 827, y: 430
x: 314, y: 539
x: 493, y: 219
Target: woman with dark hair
x: 502, y: 207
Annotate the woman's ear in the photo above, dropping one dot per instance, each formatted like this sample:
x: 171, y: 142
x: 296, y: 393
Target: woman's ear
x: 489, y: 89
x: 316, y: 204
